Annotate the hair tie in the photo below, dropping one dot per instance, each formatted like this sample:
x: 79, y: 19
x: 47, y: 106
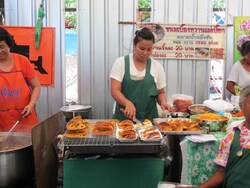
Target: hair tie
x: 138, y: 31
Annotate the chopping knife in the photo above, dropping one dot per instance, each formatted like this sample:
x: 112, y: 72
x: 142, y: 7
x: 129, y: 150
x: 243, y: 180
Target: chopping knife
x: 134, y: 120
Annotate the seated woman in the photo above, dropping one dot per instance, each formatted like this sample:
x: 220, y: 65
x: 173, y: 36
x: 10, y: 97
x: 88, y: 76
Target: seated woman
x: 233, y: 156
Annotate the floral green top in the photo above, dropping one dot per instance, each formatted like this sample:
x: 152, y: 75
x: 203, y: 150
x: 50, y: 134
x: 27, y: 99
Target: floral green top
x: 224, y: 149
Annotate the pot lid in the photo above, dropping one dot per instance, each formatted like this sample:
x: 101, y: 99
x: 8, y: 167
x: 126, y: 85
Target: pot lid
x: 73, y: 108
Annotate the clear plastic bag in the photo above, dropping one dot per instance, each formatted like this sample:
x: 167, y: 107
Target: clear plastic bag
x: 181, y: 102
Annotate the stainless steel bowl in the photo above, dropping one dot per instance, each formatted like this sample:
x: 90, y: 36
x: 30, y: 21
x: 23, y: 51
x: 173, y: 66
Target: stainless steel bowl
x: 179, y: 115
x: 76, y: 110
x: 214, y: 125
x: 198, y: 109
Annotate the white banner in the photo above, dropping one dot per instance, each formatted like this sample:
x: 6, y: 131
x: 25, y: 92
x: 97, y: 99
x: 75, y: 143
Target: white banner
x: 188, y: 41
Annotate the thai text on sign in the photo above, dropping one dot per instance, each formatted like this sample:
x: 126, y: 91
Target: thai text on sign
x: 188, y: 41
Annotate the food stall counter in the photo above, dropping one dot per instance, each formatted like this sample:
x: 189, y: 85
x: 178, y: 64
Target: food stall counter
x: 98, y: 160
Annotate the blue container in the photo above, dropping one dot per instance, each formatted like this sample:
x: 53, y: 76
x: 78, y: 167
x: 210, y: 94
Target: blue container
x: 70, y: 42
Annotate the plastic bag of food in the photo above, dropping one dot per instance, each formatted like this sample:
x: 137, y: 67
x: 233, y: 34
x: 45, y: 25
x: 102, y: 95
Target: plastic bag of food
x: 181, y: 102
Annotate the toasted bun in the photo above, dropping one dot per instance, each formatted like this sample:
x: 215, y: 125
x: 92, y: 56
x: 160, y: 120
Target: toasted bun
x: 126, y: 126
x: 127, y: 121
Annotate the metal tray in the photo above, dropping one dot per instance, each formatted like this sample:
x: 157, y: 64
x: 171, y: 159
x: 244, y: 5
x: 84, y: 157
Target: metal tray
x: 158, y: 120
x: 180, y: 132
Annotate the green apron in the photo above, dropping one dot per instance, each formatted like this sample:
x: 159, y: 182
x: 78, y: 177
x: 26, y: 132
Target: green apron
x: 142, y: 93
x: 237, y: 169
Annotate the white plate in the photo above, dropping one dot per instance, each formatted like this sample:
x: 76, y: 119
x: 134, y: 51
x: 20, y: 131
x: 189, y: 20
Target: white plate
x: 149, y: 140
x: 143, y: 126
x: 125, y: 139
x: 170, y: 185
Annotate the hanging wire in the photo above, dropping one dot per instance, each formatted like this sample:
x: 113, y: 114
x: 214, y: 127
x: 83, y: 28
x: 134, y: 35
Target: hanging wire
x: 130, y: 48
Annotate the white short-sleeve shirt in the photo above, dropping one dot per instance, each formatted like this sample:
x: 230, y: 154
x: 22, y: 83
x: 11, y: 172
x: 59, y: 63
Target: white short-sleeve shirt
x: 239, y: 75
x: 157, y: 71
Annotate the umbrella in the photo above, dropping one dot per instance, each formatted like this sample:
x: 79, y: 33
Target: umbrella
x: 39, y: 24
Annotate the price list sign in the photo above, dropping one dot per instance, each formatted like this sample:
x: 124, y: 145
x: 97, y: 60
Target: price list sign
x: 188, y: 41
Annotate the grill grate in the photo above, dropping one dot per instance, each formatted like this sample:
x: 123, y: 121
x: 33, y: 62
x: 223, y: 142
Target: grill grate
x: 109, y: 145
x: 104, y: 141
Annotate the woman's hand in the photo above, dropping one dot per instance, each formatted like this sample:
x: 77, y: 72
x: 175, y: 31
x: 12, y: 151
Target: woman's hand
x: 129, y: 111
x: 230, y: 87
x: 166, y: 106
x: 28, y: 109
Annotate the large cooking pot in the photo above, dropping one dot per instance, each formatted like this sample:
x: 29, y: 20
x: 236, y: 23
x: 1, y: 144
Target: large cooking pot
x: 16, y: 160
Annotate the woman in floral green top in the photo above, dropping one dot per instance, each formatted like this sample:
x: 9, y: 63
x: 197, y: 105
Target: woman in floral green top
x: 233, y: 157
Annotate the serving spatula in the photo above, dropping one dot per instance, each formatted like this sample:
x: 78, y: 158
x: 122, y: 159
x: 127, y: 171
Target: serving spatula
x: 134, y: 120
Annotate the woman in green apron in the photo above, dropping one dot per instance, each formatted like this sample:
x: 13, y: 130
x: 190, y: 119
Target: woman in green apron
x: 233, y: 157
x: 138, y: 81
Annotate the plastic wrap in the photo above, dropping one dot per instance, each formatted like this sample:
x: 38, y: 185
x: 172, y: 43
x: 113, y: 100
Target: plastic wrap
x: 181, y: 102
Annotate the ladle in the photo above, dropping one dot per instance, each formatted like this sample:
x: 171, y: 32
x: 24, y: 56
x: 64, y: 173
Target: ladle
x: 17, y: 122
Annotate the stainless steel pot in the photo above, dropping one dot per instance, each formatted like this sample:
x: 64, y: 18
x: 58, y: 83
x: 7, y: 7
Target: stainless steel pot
x: 16, y: 160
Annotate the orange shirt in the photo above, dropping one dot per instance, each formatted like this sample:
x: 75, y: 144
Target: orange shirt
x: 15, y: 94
x: 25, y: 65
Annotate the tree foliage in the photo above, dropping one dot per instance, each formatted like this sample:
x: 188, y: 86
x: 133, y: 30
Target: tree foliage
x: 70, y: 16
x: 218, y: 4
x: 144, y: 3
x: 70, y: 3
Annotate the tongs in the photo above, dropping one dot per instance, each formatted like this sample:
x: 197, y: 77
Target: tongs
x: 134, y: 120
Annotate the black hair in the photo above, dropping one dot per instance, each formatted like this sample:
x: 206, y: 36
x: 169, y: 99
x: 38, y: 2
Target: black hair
x: 245, y: 48
x: 145, y: 34
x: 5, y: 36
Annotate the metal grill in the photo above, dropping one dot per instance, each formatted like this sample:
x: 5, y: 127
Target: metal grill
x: 110, y: 144
x: 106, y: 144
x: 104, y: 141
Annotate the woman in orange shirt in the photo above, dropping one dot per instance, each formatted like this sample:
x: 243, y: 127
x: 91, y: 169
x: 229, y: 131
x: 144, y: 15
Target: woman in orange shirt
x: 19, y: 88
